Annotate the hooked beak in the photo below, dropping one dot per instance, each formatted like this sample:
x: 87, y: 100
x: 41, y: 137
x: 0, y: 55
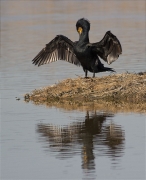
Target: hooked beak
x: 80, y: 30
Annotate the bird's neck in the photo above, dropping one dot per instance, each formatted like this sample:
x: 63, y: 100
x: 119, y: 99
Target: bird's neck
x: 84, y: 37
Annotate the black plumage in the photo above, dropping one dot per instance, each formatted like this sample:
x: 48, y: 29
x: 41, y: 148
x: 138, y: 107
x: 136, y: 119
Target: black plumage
x: 81, y: 52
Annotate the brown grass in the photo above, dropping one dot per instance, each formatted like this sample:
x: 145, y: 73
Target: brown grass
x: 116, y: 91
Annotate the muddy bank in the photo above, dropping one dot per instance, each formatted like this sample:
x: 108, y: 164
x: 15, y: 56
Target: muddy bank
x: 120, y: 89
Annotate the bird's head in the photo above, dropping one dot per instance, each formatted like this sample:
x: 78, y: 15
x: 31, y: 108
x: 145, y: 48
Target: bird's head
x: 82, y: 25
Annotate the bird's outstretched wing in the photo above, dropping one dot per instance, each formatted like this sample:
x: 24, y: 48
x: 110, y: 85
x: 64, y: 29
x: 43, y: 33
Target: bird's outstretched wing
x: 109, y: 48
x: 60, y: 48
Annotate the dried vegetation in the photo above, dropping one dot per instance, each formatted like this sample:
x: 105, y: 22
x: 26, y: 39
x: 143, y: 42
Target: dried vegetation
x: 120, y: 91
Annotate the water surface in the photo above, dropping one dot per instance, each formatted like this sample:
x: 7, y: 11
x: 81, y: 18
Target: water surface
x: 38, y: 142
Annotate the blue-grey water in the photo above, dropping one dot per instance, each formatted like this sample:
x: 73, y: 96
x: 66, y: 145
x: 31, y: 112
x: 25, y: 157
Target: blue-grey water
x: 38, y: 142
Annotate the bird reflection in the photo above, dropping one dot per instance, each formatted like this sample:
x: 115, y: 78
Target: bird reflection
x: 93, y: 135
x: 92, y: 126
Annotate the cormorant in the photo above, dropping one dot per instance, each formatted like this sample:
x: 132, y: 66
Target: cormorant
x: 81, y: 52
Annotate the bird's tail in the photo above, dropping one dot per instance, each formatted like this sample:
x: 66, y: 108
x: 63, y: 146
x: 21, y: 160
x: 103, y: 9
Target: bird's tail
x: 101, y: 67
x: 108, y: 69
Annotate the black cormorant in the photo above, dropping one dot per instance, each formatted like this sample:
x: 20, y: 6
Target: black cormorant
x: 81, y: 52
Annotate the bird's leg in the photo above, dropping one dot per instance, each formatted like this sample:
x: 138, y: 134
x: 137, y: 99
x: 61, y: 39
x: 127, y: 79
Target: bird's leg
x: 93, y: 74
x: 86, y: 72
x: 94, y: 67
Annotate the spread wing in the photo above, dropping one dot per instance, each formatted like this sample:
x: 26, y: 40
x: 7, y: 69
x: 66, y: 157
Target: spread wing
x: 60, y: 48
x: 109, y: 48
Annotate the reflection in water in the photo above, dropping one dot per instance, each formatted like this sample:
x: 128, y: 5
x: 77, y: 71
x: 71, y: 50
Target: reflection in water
x: 25, y: 27
x: 94, y: 135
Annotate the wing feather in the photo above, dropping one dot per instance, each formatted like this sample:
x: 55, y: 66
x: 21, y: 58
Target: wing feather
x: 60, y: 48
x: 37, y: 58
x: 109, y: 48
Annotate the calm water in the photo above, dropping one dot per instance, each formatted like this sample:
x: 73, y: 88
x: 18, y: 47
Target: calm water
x: 38, y: 142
